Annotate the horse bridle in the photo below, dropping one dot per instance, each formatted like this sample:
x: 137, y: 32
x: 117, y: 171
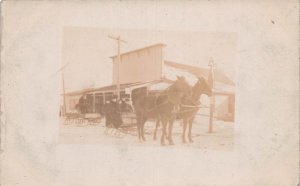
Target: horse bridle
x: 192, y: 107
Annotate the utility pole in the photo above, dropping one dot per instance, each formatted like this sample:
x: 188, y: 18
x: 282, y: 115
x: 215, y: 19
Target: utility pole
x: 63, y: 87
x: 119, y: 40
x: 211, y: 78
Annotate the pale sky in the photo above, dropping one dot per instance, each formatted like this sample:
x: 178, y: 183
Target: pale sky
x: 88, y: 51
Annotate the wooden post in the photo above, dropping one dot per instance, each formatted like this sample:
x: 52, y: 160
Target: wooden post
x: 63, y: 86
x: 212, y: 98
x: 64, y: 95
x: 211, y: 113
x: 118, y: 74
x: 94, y: 103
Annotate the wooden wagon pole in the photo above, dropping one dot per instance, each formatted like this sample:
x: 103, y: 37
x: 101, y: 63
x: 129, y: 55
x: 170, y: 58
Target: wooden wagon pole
x: 211, y: 64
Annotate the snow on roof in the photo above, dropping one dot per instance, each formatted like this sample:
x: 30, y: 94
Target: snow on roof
x: 172, y: 73
x: 199, y: 71
x: 156, y: 85
x: 159, y: 86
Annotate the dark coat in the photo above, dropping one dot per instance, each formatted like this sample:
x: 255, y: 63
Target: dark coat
x: 116, y: 114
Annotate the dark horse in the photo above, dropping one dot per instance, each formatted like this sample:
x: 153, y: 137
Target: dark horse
x: 189, y: 108
x: 160, y: 106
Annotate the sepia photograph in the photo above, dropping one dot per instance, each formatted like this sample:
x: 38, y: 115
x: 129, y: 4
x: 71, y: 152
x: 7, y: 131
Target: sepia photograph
x: 132, y: 85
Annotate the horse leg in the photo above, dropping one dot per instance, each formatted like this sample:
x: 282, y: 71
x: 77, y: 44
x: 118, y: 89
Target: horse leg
x: 171, y: 121
x: 184, y: 129
x: 190, y: 130
x: 142, y: 129
x: 166, y: 134
x: 138, y: 119
x: 162, y: 139
x: 155, y: 130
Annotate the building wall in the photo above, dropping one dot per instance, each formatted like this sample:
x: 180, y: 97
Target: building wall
x: 141, y: 66
x: 71, y: 102
x: 225, y: 109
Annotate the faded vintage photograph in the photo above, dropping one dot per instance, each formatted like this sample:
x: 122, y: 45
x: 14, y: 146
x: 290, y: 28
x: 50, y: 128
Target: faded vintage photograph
x: 148, y: 87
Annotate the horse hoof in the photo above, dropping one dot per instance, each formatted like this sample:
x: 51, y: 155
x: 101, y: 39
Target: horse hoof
x: 154, y: 138
x: 171, y: 143
x: 191, y: 141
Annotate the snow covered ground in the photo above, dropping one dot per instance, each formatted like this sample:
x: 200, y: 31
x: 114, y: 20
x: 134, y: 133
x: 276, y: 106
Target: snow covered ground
x: 222, y: 137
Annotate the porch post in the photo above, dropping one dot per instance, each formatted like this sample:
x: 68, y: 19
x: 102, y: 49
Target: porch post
x: 212, y: 98
x: 94, y: 102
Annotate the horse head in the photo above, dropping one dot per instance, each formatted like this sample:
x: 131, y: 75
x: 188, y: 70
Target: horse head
x: 182, y: 86
x: 202, y: 87
x: 179, y: 89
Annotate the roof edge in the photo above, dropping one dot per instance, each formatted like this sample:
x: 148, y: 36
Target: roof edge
x: 139, y: 49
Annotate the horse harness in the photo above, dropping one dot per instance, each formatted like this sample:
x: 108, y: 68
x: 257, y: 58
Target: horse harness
x: 156, y: 105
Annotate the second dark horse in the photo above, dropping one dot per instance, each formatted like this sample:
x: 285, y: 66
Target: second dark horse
x: 161, y: 106
x: 189, y: 108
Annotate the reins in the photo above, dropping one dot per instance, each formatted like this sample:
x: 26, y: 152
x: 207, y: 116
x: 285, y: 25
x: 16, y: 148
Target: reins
x: 192, y: 108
